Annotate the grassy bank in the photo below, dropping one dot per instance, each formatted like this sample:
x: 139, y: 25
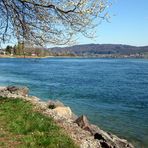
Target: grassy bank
x: 20, y: 126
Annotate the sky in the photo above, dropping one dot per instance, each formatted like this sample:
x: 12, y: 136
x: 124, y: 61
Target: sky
x: 128, y: 24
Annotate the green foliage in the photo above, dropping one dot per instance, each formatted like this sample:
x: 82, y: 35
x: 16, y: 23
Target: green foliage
x: 8, y: 49
x: 25, y: 50
x: 29, y: 128
x: 19, y: 48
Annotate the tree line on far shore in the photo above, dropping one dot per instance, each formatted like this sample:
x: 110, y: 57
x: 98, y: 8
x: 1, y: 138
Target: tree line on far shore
x: 21, y: 50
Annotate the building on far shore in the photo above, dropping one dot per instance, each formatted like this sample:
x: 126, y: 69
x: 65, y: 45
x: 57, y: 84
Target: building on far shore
x: 33, y: 54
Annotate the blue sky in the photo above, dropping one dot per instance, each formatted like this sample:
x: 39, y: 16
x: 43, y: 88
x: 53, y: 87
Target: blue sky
x: 128, y: 24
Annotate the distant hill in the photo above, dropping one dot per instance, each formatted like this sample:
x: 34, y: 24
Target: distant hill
x: 99, y: 49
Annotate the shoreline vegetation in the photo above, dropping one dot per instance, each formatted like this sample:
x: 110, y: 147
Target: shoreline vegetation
x: 77, y: 51
x: 32, y: 122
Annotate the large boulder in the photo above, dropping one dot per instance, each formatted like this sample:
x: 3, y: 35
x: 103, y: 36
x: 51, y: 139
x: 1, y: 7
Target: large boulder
x: 107, y: 140
x: 83, y: 122
x: 21, y: 91
x: 2, y: 88
x: 64, y: 112
x: 3, y: 91
x: 53, y: 104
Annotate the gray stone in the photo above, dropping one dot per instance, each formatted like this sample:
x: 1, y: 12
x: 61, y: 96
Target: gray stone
x: 108, y: 140
x: 22, y: 91
x: 83, y: 122
x: 2, y: 88
x: 105, y: 145
x: 12, y: 88
x: 53, y: 104
x: 63, y: 112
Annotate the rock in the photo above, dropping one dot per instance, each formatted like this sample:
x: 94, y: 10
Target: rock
x: 12, y: 88
x: 107, y: 140
x: 74, y: 116
x: 122, y: 143
x: 105, y: 145
x: 53, y: 104
x: 83, y: 123
x: 43, y: 105
x: 2, y: 88
x: 3, y: 91
x: 63, y: 112
x: 90, y: 143
x: 22, y: 91
x: 98, y: 136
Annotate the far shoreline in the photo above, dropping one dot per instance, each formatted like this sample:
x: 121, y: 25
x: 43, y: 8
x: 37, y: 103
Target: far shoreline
x: 83, y: 57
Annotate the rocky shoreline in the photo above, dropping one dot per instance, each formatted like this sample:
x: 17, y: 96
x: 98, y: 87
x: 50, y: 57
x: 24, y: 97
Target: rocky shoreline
x: 85, y: 134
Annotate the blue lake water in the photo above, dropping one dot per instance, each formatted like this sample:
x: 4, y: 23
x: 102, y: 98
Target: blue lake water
x: 113, y: 93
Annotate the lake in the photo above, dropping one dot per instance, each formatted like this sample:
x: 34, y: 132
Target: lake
x: 112, y: 93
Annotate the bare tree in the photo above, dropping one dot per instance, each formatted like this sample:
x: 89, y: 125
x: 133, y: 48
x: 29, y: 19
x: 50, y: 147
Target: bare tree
x: 49, y: 21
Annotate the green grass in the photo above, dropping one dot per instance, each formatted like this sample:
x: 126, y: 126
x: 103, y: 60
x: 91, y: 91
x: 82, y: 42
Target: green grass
x: 20, y: 126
